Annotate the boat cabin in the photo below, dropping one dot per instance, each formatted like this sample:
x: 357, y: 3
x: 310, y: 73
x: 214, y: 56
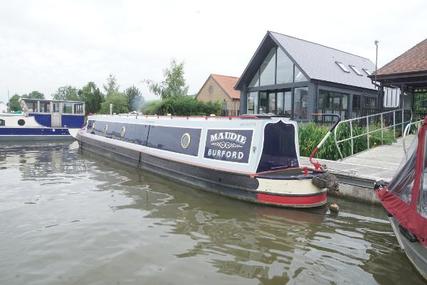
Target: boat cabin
x: 55, y: 113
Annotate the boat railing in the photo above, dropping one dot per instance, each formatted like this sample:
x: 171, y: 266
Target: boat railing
x: 209, y: 117
x: 363, y: 130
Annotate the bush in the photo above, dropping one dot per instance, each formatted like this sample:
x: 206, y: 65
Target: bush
x: 182, y: 106
x: 311, y: 134
x: 120, y: 104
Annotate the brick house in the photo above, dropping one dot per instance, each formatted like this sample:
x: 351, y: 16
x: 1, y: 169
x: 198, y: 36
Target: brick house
x: 220, y: 88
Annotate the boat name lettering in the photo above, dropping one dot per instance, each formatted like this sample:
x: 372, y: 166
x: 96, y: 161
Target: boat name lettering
x: 228, y: 145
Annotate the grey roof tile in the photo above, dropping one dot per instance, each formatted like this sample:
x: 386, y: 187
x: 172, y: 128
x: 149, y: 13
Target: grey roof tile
x: 318, y: 61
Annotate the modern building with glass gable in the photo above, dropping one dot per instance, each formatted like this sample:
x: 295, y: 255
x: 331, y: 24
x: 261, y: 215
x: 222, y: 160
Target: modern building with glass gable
x: 296, y: 78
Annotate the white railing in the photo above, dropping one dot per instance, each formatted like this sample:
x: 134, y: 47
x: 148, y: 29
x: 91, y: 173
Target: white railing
x: 408, y: 128
x: 375, y: 123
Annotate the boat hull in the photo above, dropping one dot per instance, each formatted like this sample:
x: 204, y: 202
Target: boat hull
x: 299, y: 193
x: 34, y: 134
x: 415, y: 251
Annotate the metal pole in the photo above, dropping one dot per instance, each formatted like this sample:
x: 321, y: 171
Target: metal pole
x: 111, y: 109
x: 382, y: 129
x: 367, y: 130
x: 351, y: 136
x: 394, y: 123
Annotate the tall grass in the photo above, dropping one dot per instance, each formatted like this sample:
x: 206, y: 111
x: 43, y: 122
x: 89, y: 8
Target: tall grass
x: 310, y: 134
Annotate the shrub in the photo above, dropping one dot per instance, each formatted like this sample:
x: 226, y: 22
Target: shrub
x: 310, y: 134
x: 182, y: 106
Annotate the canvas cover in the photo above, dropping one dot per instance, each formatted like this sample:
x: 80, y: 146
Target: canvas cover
x: 406, y: 196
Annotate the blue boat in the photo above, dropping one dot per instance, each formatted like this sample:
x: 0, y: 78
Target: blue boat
x: 43, y: 120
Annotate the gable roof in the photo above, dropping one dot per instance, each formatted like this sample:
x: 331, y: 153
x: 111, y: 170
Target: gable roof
x: 227, y: 84
x: 413, y: 60
x: 316, y: 61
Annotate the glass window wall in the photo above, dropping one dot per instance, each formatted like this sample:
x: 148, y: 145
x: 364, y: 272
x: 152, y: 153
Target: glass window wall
x: 333, y: 103
x: 252, y: 102
x: 284, y: 68
x: 300, y: 103
x: 267, y: 70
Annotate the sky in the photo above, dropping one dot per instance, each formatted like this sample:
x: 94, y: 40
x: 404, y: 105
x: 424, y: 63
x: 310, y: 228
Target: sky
x: 46, y: 44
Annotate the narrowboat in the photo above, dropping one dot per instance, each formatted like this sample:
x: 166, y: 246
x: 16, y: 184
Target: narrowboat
x: 405, y: 200
x: 249, y: 158
x: 43, y: 120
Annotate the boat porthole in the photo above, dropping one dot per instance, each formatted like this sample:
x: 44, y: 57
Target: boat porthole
x: 122, y: 133
x: 185, y: 140
x: 105, y: 129
x: 21, y: 122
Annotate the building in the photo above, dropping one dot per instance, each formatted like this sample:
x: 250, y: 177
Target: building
x: 408, y: 74
x: 220, y: 88
x: 296, y: 78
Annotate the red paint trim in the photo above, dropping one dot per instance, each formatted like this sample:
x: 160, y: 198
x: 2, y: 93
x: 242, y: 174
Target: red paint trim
x: 314, y: 200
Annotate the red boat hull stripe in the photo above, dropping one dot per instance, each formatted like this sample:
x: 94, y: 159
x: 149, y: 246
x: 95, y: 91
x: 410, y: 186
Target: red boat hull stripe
x: 292, y: 200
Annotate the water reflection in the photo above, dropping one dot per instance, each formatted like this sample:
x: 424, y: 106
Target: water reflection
x: 80, y: 219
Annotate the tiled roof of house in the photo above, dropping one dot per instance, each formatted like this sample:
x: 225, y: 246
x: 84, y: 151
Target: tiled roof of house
x: 227, y: 83
x: 413, y: 60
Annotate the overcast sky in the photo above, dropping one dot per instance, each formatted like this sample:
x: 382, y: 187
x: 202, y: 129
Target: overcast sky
x: 48, y: 44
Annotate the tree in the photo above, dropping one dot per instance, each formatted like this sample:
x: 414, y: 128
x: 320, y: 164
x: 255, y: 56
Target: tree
x: 111, y: 87
x: 120, y: 104
x: 66, y: 93
x: 34, y: 95
x: 14, y: 105
x: 173, y: 83
x: 92, y: 97
x: 134, y: 98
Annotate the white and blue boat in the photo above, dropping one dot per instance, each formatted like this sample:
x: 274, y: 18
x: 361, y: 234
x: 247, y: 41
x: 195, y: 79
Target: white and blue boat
x: 254, y: 158
x: 43, y: 120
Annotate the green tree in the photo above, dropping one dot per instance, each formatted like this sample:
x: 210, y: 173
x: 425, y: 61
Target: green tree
x: 111, y: 88
x: 14, y: 105
x: 34, y: 95
x: 66, y: 93
x: 92, y: 97
x: 173, y: 84
x: 120, y: 104
x: 134, y: 98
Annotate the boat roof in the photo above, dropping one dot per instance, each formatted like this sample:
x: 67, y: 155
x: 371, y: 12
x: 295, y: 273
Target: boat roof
x: 50, y: 100
x: 193, y: 118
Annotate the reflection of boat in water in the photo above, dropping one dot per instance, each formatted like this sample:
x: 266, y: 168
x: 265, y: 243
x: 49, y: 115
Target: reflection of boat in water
x: 43, y: 120
x: 405, y: 199
x: 249, y: 158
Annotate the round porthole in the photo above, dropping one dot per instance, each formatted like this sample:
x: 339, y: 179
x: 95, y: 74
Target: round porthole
x: 105, y: 129
x: 185, y: 140
x: 123, y: 132
x: 21, y: 122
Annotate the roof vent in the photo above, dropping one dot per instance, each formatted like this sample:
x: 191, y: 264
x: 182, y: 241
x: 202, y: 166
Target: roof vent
x: 342, y: 66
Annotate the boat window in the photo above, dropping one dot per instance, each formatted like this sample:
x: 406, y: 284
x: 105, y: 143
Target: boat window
x: 279, y: 150
x: 21, y: 122
x: 32, y: 106
x: 136, y: 133
x: 422, y: 204
x: 45, y: 107
x: 2, y: 123
x: 68, y: 108
x: 55, y: 107
x: 78, y: 108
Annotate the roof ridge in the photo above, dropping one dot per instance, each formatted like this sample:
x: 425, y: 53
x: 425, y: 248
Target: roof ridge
x: 216, y: 74
x: 319, y: 44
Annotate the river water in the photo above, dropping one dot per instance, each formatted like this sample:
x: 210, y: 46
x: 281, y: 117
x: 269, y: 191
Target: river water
x: 68, y: 217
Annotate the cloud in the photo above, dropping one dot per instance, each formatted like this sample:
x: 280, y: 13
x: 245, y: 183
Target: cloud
x: 48, y: 44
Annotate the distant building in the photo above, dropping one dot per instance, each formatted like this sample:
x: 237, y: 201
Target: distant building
x: 220, y: 88
x: 3, y: 107
x: 407, y: 74
x: 296, y: 78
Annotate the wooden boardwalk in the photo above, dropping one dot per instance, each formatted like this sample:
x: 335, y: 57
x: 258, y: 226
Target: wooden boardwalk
x: 358, y: 173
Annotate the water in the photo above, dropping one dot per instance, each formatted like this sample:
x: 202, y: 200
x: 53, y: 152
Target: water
x: 71, y: 218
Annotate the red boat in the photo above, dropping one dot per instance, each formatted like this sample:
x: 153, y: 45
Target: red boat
x: 405, y: 199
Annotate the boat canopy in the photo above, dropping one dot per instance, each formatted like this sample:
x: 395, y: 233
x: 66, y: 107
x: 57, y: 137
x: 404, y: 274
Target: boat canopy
x: 30, y: 105
x: 406, y: 196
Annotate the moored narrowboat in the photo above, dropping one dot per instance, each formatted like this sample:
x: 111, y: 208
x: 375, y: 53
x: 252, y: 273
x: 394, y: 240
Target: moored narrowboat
x: 249, y: 158
x: 405, y: 200
x: 43, y: 120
